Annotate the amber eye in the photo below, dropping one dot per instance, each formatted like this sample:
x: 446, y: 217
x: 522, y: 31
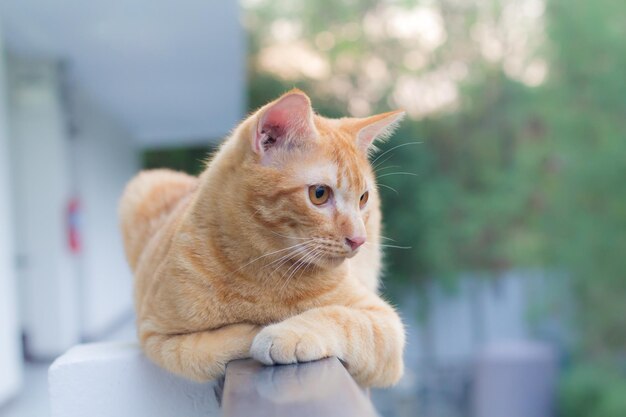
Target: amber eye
x: 319, y: 194
x: 364, y: 198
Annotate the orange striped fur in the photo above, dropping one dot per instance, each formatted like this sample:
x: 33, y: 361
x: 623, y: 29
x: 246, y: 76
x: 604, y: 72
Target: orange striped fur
x: 239, y: 262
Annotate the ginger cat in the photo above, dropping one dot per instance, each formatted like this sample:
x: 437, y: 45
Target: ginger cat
x: 271, y: 253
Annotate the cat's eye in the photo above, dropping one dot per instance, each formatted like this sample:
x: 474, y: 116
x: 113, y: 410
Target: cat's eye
x: 364, y: 198
x: 319, y: 194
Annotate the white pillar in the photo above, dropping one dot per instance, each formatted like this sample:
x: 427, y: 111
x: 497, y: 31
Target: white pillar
x: 47, y: 269
x: 10, y: 346
x: 104, y: 160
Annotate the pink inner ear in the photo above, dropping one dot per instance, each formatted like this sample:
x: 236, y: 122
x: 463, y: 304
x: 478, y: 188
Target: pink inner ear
x: 288, y: 119
x: 378, y: 129
x: 368, y: 134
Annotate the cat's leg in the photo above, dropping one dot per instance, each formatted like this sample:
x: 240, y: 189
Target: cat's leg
x: 200, y: 356
x: 368, y: 336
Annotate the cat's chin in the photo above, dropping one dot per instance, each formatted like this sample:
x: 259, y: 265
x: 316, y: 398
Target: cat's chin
x: 331, y: 261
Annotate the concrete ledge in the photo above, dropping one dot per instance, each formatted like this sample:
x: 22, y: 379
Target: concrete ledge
x: 117, y: 380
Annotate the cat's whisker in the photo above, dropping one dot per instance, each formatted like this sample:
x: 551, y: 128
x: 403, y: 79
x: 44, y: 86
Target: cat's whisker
x: 388, y: 238
x: 375, y: 167
x: 397, y: 247
x: 398, y: 173
x: 282, y: 261
x: 299, y: 261
x: 290, y: 237
x: 395, y: 147
x: 389, y: 246
x: 298, y: 246
x: 300, y: 265
x: 304, y: 258
x: 387, y: 167
x: 264, y: 256
x: 318, y: 255
x: 295, y: 267
x: 281, y: 264
x: 285, y: 258
x: 391, y: 188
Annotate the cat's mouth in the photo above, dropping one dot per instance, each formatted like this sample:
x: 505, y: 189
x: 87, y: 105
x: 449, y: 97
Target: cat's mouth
x: 333, y: 258
x: 329, y: 261
x: 325, y: 252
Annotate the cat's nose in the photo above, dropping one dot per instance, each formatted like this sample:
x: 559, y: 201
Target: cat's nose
x: 355, y: 241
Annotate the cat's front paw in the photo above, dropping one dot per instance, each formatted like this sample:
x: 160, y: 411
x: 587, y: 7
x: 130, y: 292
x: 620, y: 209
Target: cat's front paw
x: 279, y: 344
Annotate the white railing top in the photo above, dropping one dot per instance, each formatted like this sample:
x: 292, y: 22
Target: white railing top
x: 321, y: 388
x: 117, y: 380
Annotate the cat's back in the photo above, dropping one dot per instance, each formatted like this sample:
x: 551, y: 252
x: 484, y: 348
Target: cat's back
x: 147, y: 201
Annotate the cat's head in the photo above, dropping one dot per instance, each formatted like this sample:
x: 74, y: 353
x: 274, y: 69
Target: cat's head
x: 312, y: 188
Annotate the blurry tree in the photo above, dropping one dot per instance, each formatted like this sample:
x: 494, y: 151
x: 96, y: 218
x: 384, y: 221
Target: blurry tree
x: 596, y: 390
x: 584, y: 220
x: 190, y: 160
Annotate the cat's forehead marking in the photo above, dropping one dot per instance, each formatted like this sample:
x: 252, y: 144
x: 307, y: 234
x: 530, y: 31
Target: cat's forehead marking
x: 340, y: 148
x: 319, y: 173
x: 344, y: 177
x: 336, y: 161
x: 349, y: 169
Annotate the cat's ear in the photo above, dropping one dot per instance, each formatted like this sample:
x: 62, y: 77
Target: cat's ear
x: 378, y: 127
x: 284, y: 123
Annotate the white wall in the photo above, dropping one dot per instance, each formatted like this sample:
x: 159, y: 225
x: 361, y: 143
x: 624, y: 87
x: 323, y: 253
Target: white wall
x: 104, y: 160
x: 66, y: 147
x: 10, y: 349
x: 42, y: 189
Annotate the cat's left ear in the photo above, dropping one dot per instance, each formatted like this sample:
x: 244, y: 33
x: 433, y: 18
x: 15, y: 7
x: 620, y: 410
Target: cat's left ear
x: 284, y: 123
x: 378, y: 127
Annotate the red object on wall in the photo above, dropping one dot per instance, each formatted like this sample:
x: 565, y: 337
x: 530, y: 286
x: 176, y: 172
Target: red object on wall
x: 73, y: 225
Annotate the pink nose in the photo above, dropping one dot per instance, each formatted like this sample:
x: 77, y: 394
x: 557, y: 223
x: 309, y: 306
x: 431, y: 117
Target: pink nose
x: 355, y: 242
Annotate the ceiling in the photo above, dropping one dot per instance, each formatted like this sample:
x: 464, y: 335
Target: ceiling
x: 171, y: 71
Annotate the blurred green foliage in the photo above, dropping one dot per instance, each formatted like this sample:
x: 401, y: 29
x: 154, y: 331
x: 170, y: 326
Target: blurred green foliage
x: 584, y: 218
x: 592, y: 390
x: 190, y: 160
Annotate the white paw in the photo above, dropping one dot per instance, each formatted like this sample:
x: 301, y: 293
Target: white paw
x: 279, y: 345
